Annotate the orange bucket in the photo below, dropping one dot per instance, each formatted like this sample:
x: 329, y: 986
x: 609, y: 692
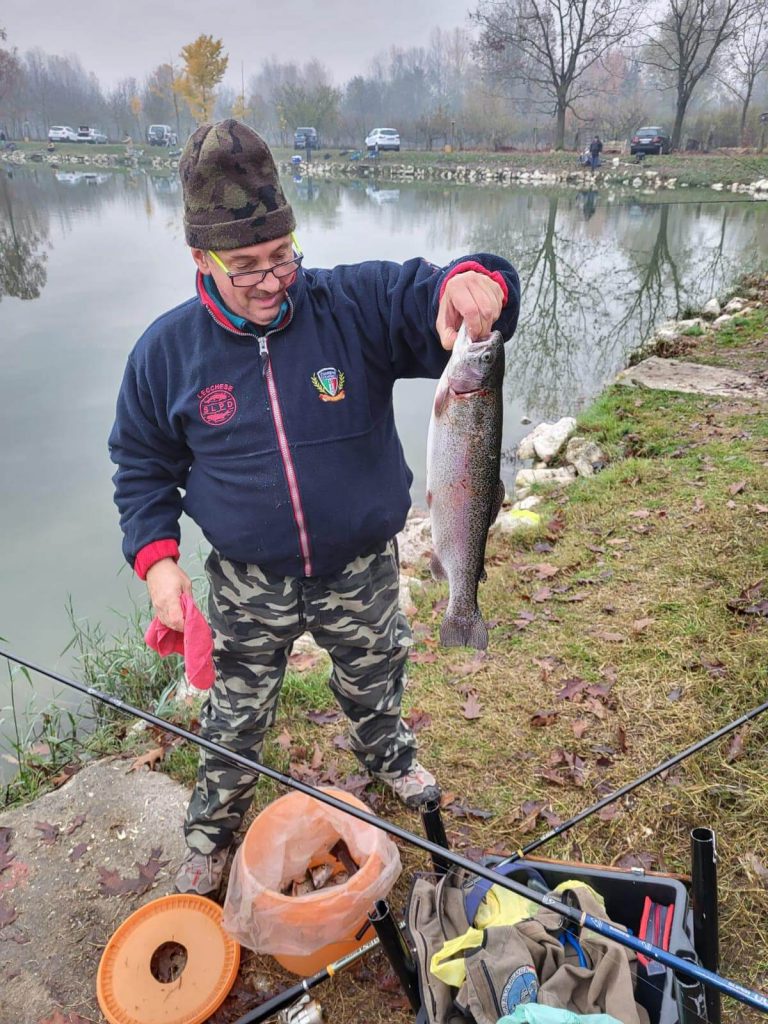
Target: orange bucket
x: 299, y: 912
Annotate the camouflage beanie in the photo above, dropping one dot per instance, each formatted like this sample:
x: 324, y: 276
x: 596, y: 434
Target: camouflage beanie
x: 232, y: 194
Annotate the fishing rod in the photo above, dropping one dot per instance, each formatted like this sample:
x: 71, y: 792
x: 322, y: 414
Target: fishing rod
x: 579, y: 918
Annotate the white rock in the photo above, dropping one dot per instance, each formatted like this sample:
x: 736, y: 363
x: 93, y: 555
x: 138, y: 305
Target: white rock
x: 584, y: 455
x: 718, y: 186
x: 526, y: 504
x: 695, y: 321
x: 526, y: 478
x: 735, y: 305
x: 516, y: 520
x: 711, y: 309
x: 546, y: 440
x: 666, y: 333
x: 722, y: 320
x: 415, y: 540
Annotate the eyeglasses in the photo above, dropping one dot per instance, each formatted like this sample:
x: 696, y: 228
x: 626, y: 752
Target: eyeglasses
x: 247, y: 278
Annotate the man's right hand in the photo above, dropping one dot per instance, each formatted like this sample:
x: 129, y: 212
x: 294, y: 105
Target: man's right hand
x: 166, y: 582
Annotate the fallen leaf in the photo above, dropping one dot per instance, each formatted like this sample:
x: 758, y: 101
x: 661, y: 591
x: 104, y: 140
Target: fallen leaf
x: 608, y: 637
x: 148, y: 760
x: 468, y: 668
x: 471, y: 708
x: 329, y: 717
x: 609, y: 812
x: 579, y: 726
x: 541, y: 719
x: 284, y: 740
x: 621, y: 738
x: 640, y: 513
x: 550, y: 775
x: 111, y: 883
x: 645, y: 861
x: 48, y: 833
x: 317, y: 758
x: 541, y: 595
x: 617, y: 542
x: 640, y: 625
x: 753, y: 864
x: 675, y: 694
x: 418, y: 720
x: 342, y: 742
x: 7, y: 915
x: 572, y: 688
x: 303, y: 661
x: 460, y: 810
x: 422, y: 657
x: 736, y: 745
x: 65, y: 775
x: 77, y: 822
x: 355, y: 784
x: 738, y: 487
x: 548, y: 664
x: 760, y: 508
x: 78, y: 851
x: 698, y: 505
x: 544, y: 570
x: 594, y: 707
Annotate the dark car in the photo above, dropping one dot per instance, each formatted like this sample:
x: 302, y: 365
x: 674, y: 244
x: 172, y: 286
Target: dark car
x: 305, y: 138
x: 650, y: 140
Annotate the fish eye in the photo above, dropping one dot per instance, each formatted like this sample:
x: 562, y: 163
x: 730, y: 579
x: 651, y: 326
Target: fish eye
x: 486, y: 357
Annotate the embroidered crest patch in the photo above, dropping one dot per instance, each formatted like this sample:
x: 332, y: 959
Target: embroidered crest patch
x: 217, y: 404
x: 329, y: 383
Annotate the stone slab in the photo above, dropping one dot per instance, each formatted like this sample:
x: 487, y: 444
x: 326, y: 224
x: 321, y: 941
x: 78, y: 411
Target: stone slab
x: 690, y: 378
x: 50, y: 953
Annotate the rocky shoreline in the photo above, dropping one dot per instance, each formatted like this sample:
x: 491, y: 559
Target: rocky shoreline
x: 618, y: 173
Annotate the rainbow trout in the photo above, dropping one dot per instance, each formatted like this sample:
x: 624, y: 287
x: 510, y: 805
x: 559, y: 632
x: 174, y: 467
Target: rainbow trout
x: 464, y: 492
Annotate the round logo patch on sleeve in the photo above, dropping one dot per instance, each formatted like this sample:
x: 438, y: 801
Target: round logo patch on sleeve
x: 217, y: 404
x: 522, y: 987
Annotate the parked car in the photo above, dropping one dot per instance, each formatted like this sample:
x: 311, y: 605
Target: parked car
x: 383, y: 138
x: 61, y: 133
x: 304, y: 138
x: 161, y: 135
x: 91, y: 135
x: 650, y: 140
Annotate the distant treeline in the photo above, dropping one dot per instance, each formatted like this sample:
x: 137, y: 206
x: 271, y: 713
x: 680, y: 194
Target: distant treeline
x: 529, y: 74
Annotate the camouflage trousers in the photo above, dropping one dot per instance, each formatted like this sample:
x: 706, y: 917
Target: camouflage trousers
x: 255, y: 617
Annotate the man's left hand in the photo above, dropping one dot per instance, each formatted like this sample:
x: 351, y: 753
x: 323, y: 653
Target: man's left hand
x: 473, y: 298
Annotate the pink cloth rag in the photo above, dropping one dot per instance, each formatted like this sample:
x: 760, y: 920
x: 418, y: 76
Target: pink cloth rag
x: 195, y: 643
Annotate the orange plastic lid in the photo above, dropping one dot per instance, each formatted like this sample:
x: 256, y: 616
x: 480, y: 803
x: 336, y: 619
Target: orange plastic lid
x: 170, y: 962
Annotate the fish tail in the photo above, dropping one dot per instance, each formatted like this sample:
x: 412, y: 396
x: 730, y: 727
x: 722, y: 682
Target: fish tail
x: 464, y: 630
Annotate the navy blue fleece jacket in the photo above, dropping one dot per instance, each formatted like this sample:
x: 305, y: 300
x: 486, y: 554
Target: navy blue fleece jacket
x: 281, y: 445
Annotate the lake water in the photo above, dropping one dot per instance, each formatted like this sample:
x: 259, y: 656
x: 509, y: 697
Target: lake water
x: 88, y: 260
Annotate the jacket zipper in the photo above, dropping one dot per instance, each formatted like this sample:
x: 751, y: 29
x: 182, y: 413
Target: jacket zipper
x: 285, y: 451
x: 282, y: 439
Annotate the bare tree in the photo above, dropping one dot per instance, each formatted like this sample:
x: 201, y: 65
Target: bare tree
x: 684, y: 43
x: 550, y: 44
x: 747, y: 60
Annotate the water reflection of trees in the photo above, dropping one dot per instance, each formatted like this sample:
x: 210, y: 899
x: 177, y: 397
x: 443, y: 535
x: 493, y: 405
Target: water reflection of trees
x: 23, y: 241
x: 594, y: 287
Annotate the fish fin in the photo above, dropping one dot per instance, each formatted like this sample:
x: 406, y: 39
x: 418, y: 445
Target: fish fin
x: 438, y: 572
x: 498, y: 501
x: 464, y: 631
x: 441, y: 397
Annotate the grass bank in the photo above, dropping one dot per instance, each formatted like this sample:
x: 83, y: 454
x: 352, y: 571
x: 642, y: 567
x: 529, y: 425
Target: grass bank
x: 631, y: 625
x: 692, y: 169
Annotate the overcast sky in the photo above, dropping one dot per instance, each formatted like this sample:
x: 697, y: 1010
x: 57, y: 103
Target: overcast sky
x: 132, y: 38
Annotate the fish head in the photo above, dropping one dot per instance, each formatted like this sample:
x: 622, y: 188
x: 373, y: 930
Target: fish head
x: 478, y: 365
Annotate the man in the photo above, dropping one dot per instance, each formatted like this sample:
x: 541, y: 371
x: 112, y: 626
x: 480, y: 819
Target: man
x: 267, y: 399
x: 595, y: 149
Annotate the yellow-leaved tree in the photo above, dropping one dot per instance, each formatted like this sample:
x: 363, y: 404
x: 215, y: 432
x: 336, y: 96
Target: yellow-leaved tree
x: 204, y: 67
